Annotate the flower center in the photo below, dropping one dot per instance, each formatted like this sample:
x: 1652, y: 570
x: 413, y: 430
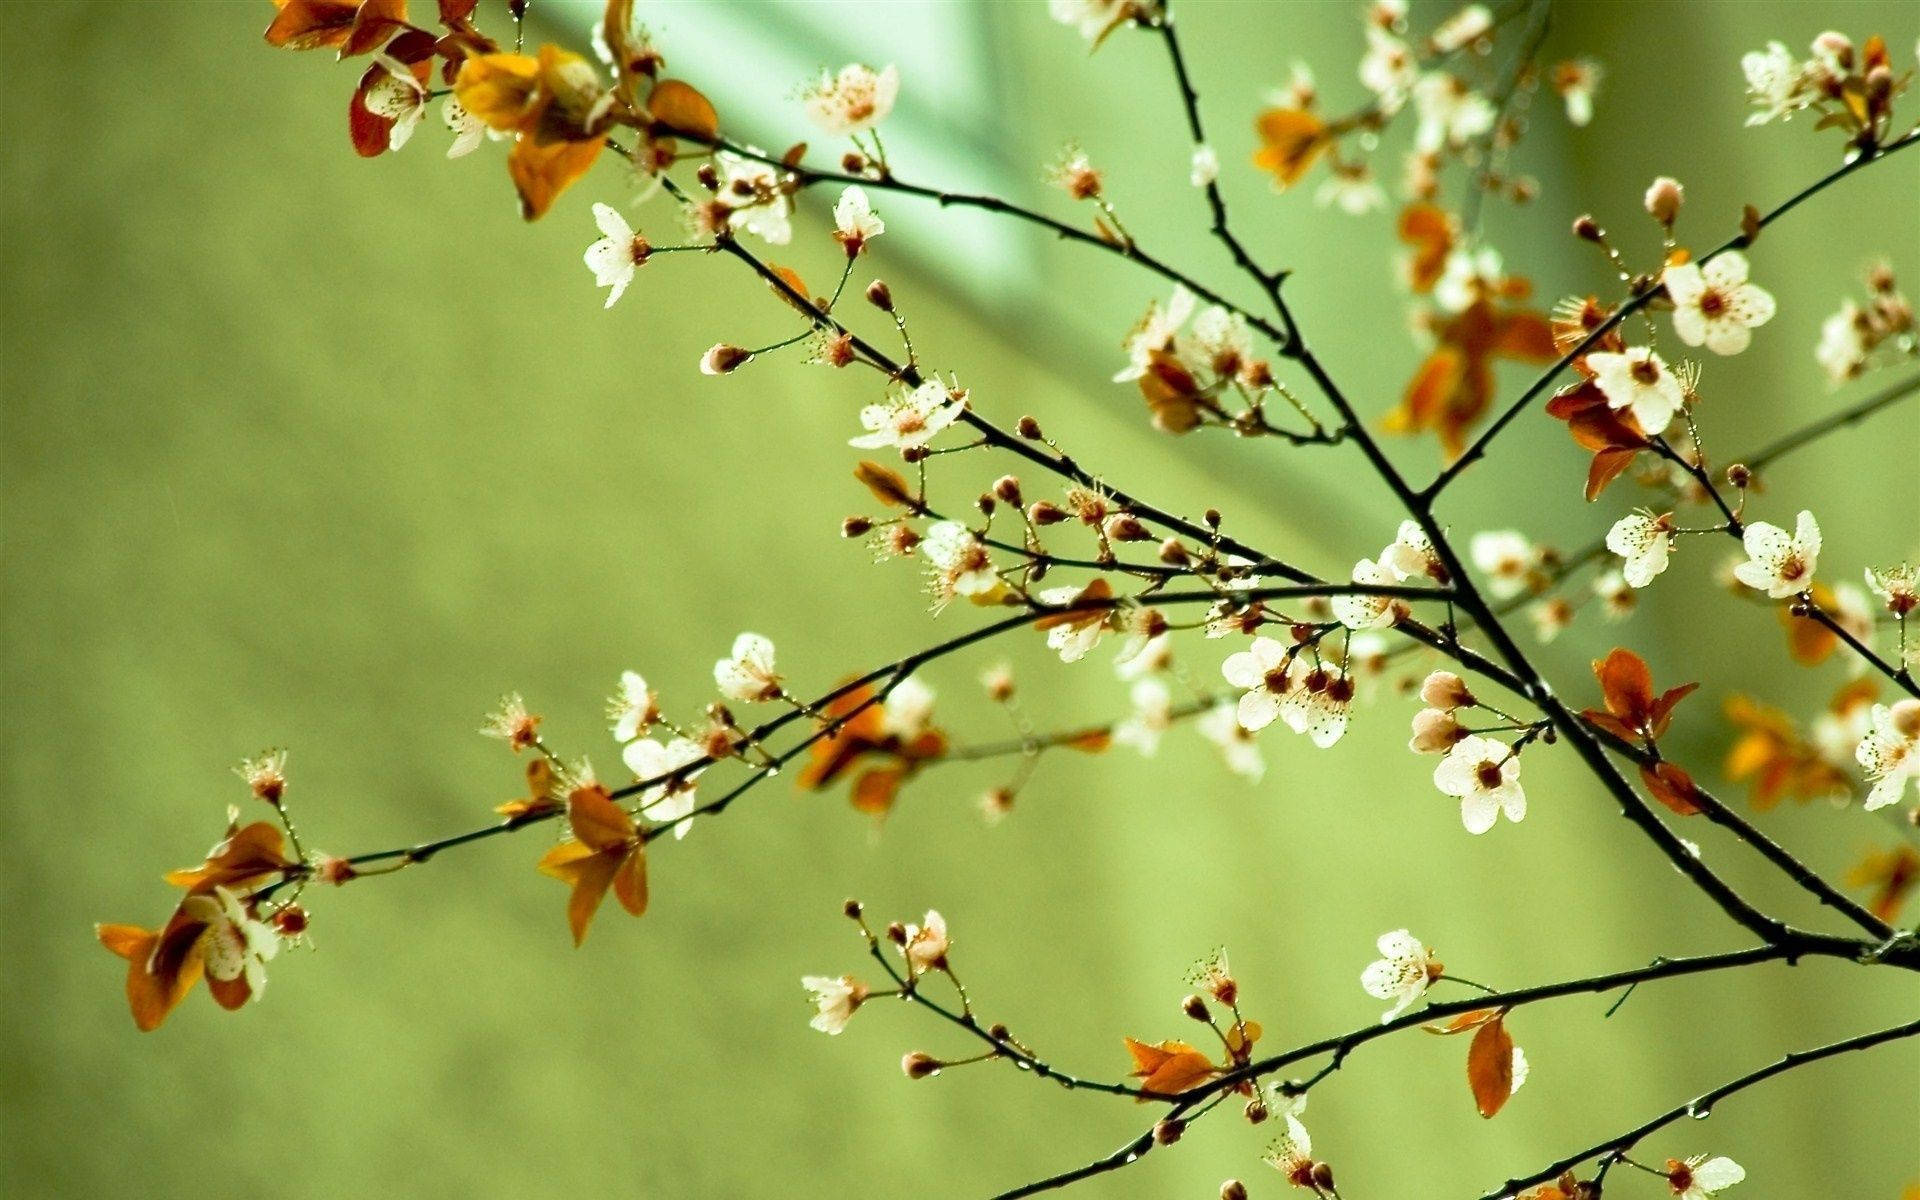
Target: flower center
x: 1488, y: 773
x: 1645, y: 372
x: 1712, y: 303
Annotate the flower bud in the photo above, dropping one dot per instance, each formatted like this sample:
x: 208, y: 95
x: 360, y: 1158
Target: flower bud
x: 1045, y: 512
x: 723, y: 358
x: 1663, y: 200
x: 1028, y: 428
x: 853, y: 163
x: 1196, y: 1008
x: 918, y: 1065
x: 1007, y: 487
x: 1123, y: 527
x: 1739, y: 475
x: 1444, y: 689
x: 896, y: 933
x: 1588, y: 229
x: 709, y: 177
x: 1835, y: 48
x: 1174, y: 553
x: 852, y: 909
x: 290, y: 921
x: 1233, y: 1189
x: 1168, y: 1131
x: 1434, y: 731
x: 1323, y: 1177
x: 880, y: 295
x: 336, y: 871
x: 1256, y: 1111
x: 854, y: 527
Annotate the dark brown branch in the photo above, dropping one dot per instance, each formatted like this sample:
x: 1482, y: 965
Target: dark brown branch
x: 1634, y: 304
x: 1884, y: 398
x: 1702, y: 1105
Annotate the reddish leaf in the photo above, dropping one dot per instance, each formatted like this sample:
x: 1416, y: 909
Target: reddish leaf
x: 1672, y: 786
x: 1490, y: 1067
x: 312, y: 24
x: 683, y: 110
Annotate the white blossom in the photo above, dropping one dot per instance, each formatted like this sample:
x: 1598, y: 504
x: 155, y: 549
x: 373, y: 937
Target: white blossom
x: 856, y: 99
x: 1241, y: 750
x: 1778, y: 563
x: 1638, y: 380
x: 1485, y: 775
x: 1506, y: 558
x: 617, y: 255
x: 854, y: 221
x: 1451, y: 114
x: 1204, y: 167
x: 1714, y: 305
x: 1152, y: 715
x: 1890, y: 752
x: 1367, y: 611
x: 1263, y: 669
x: 398, y: 97
x: 1402, y: 973
x: 747, y: 673
x: 1776, y: 83
x: 835, y: 999
x: 235, y: 944
x: 753, y: 191
x: 961, y: 561
x: 909, y: 419
x: 673, y: 800
x: 1702, y: 1178
x: 1643, y: 541
x: 1155, y: 331
x: 633, y: 709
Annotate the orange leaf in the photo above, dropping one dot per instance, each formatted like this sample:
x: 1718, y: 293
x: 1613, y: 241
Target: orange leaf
x: 499, y: 90
x: 1463, y: 1022
x: 599, y: 823
x: 1429, y: 229
x: 1607, y: 466
x: 1294, y: 140
x: 1626, y: 684
x: 682, y: 108
x: 875, y: 790
x: 1091, y: 741
x: 1808, y: 641
x: 162, y: 966
x: 630, y: 882
x: 312, y: 24
x: 373, y: 24
x: 1672, y: 786
x: 886, y: 484
x: 1490, y: 1067
x: 588, y: 873
x: 247, y: 856
x: 541, y: 173
x: 1170, y: 1067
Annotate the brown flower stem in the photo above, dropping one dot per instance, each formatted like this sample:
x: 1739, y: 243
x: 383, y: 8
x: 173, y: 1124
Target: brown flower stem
x: 1616, y: 1147
x: 1002, y: 1045
x: 1634, y: 304
x: 886, y: 677
x: 1900, y: 675
x: 1342, y: 1045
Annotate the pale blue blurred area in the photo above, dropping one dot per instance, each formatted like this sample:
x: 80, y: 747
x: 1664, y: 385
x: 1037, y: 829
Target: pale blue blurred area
x: 308, y: 451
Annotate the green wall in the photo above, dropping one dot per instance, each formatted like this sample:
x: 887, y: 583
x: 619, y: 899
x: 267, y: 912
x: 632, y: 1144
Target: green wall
x: 303, y: 450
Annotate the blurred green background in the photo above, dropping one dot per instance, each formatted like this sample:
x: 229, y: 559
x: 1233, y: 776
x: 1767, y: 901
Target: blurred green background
x: 309, y: 451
